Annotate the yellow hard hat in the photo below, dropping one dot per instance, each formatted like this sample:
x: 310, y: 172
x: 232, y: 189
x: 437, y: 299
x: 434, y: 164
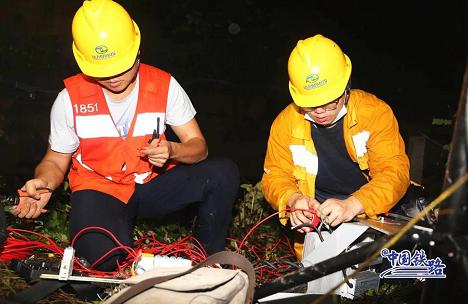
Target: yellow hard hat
x: 105, y: 38
x: 318, y: 71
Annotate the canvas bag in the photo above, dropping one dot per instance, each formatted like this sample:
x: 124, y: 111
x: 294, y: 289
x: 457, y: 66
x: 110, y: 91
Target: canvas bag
x: 199, y: 284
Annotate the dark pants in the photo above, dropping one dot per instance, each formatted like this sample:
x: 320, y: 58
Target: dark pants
x: 211, y: 184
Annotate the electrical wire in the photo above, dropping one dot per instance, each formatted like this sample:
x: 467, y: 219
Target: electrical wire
x: 21, y: 244
x: 282, y: 265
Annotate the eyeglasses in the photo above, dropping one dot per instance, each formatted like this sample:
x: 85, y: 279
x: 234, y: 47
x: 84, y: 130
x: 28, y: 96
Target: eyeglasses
x: 331, y: 106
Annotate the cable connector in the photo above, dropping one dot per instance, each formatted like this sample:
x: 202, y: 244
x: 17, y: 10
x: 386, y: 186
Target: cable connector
x: 171, y: 261
x: 149, y: 261
x: 145, y: 263
x: 66, y: 266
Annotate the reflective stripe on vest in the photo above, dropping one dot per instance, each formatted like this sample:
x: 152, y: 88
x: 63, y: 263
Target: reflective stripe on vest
x: 103, y: 126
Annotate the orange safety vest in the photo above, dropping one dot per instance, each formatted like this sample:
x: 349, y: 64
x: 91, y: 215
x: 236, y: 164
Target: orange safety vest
x: 104, y: 161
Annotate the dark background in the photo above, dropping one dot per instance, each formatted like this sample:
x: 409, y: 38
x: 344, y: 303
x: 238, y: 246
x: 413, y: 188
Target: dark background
x: 231, y: 58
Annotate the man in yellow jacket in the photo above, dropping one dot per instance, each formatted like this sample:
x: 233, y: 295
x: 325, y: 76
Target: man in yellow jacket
x: 333, y: 150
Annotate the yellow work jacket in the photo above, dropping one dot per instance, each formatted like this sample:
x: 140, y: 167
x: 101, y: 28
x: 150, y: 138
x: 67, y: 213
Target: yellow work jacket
x: 372, y: 140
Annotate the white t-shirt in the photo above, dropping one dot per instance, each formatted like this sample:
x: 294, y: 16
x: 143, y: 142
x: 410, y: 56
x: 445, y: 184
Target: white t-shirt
x: 63, y: 137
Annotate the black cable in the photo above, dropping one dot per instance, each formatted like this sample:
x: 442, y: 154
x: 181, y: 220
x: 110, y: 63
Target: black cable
x: 319, y: 234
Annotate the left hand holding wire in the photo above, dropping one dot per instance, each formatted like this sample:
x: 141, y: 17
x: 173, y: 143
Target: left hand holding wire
x: 335, y: 211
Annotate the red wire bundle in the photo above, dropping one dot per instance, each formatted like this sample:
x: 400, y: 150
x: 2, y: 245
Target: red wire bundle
x: 21, y: 244
x: 187, y: 247
x: 267, y: 269
x: 121, y: 268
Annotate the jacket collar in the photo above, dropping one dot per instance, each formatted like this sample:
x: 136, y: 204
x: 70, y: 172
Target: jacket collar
x: 351, y: 119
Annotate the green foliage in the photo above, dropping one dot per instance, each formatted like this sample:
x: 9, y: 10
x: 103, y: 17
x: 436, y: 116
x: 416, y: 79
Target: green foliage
x: 56, y: 224
x: 251, y: 225
x: 250, y: 209
x: 56, y: 219
x: 441, y: 122
x: 168, y: 229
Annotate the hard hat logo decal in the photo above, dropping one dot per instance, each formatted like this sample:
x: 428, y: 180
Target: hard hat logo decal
x: 312, y: 78
x: 101, y: 49
x: 311, y: 82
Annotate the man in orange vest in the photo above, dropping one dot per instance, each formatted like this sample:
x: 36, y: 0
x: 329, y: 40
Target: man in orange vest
x: 109, y: 123
x: 333, y: 150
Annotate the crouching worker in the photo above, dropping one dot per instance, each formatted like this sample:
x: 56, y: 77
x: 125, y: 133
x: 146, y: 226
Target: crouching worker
x: 334, y: 150
x: 109, y: 123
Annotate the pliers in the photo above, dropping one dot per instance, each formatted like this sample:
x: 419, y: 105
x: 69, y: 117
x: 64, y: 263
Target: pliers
x: 13, y: 200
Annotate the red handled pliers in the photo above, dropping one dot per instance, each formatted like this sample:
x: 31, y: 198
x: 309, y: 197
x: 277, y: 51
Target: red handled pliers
x: 13, y: 200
